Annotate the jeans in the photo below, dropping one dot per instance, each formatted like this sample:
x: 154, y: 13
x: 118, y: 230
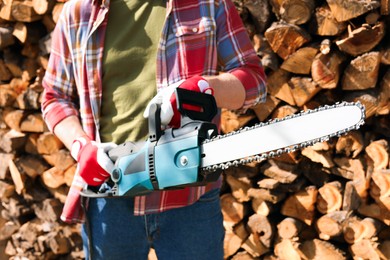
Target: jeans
x: 192, y: 232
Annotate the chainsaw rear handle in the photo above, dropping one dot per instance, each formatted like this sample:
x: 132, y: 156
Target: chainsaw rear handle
x: 205, y: 102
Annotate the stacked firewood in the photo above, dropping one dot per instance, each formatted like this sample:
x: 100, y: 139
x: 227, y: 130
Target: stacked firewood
x: 331, y: 200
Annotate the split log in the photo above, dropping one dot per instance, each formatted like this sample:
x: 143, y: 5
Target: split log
x: 233, y: 211
x: 350, y: 145
x: 330, y: 225
x: 301, y: 205
x: 362, y: 72
x: 278, y: 87
x: 290, y: 228
x: 300, y: 61
x: 365, y: 249
x: 303, y: 89
x: 264, y: 110
x: 361, y: 40
x: 296, y: 11
x: 285, y: 38
x: 262, y: 229
x: 287, y: 249
x: 326, y: 69
x: 347, y: 10
x: 378, y: 152
x: 329, y: 197
x: 356, y: 229
x: 317, y: 249
x: 325, y: 24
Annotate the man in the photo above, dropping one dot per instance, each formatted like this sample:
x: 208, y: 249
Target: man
x: 108, y: 58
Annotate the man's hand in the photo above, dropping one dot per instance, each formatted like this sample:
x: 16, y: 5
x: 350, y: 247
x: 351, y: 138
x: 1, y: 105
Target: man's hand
x: 94, y: 165
x: 170, y: 116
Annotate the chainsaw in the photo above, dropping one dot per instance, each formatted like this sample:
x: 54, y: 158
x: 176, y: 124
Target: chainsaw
x: 196, y: 154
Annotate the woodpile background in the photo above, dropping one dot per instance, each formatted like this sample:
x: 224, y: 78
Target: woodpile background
x: 329, y: 201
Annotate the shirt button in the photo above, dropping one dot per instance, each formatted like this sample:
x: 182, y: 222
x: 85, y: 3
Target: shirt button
x: 194, y: 30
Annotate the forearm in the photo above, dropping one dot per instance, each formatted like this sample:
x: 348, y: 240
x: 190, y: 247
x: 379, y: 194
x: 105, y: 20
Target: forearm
x: 68, y: 130
x: 229, y: 92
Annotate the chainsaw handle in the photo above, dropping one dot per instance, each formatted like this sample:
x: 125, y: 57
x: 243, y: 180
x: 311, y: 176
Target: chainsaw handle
x: 205, y: 102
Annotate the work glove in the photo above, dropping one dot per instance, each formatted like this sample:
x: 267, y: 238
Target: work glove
x: 166, y: 97
x: 94, y: 165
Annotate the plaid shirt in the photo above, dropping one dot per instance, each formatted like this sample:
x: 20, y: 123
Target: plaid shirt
x: 203, y: 37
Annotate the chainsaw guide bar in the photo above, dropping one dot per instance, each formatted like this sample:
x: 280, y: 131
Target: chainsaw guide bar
x: 279, y: 136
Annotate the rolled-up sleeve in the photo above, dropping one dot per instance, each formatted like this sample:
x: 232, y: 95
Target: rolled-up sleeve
x: 237, y: 55
x: 58, y: 99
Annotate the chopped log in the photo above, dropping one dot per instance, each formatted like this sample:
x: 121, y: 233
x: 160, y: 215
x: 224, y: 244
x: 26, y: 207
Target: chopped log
x: 301, y: 205
x: 231, y: 121
x: 7, y: 95
x: 239, y: 188
x: 269, y: 59
x: 289, y: 228
x: 60, y: 159
x: 264, y: 110
x: 365, y: 249
x: 234, y: 239
x: 57, y: 9
x: 29, y: 99
x: 233, y: 211
x: 17, y: 177
x: 282, y: 172
x: 350, y: 145
x: 351, y: 198
x: 53, y: 177
x: 375, y: 210
x: 6, y: 191
x: 5, y: 74
x: 300, y: 61
x: 4, y: 159
x: 285, y: 38
x: 326, y: 69
x: 6, y: 36
x: 378, y: 152
x: 325, y: 24
x: 42, y: 7
x: 272, y: 196
x: 323, y: 157
x: 12, y: 140
x: 297, y: 11
x: 13, y: 118
x: 303, y: 89
x: 262, y: 229
x: 356, y: 229
x: 287, y: 249
x: 261, y: 207
x: 48, y: 210
x: 347, y: 10
x: 330, y: 225
x: 317, y: 249
x: 31, y: 165
x: 48, y: 143
x: 261, y: 13
x: 277, y: 86
x: 254, y: 247
x: 23, y: 11
x: 361, y: 40
x: 362, y: 72
x: 33, y: 123
x: 380, y: 184
x: 329, y: 197
x: 283, y: 111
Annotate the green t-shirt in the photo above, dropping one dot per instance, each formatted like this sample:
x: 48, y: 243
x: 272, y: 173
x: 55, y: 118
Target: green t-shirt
x: 129, y: 68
